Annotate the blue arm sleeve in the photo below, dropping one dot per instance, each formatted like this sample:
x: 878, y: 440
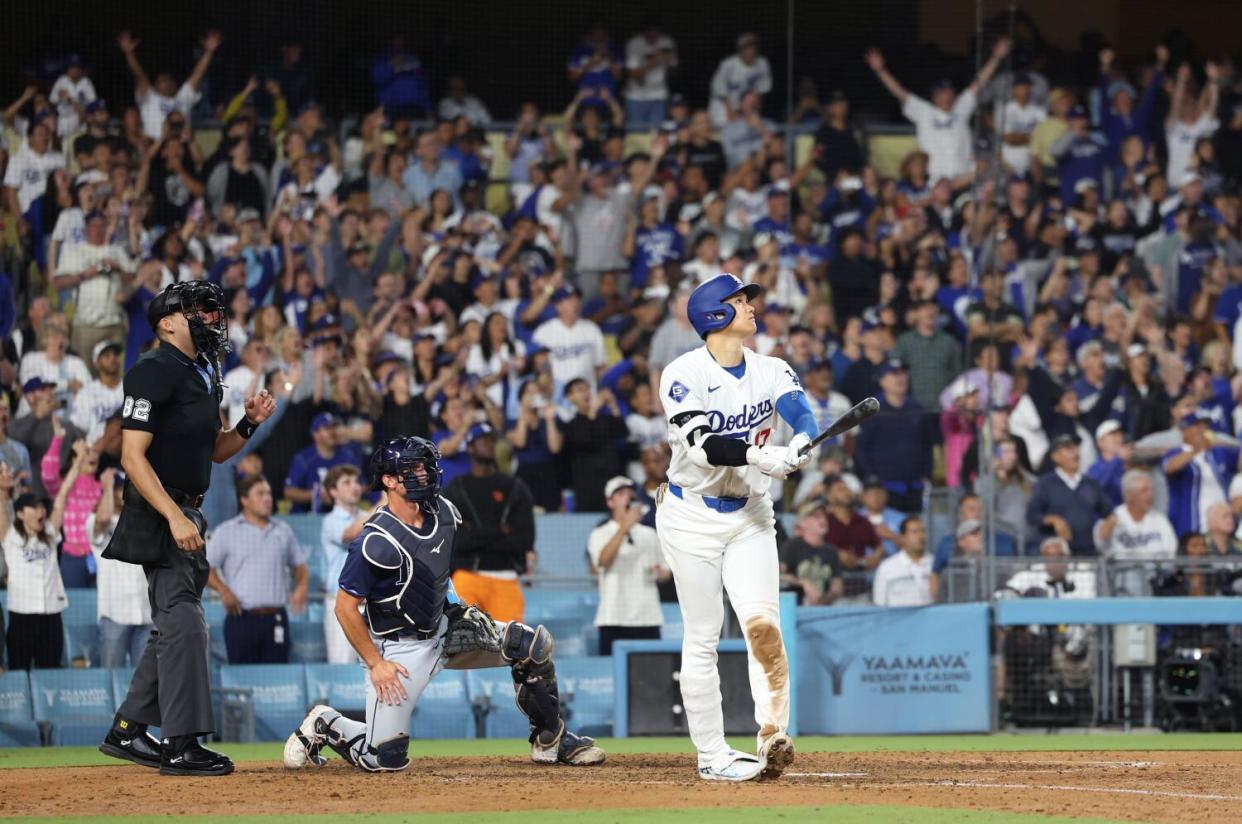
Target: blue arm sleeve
x: 795, y: 410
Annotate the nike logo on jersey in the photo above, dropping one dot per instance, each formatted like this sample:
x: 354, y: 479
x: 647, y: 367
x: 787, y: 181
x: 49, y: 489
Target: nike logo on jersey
x: 711, y: 389
x: 436, y: 551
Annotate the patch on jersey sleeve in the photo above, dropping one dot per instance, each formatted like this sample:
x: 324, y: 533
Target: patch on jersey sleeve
x: 678, y: 391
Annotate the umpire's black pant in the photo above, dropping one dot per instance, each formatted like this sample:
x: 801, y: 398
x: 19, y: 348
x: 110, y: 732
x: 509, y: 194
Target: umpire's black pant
x: 171, y: 687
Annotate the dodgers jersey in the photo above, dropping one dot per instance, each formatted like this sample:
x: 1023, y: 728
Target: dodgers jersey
x: 698, y: 392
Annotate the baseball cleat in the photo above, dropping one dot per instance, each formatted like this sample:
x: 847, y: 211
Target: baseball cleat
x: 565, y: 748
x: 776, y: 754
x: 302, y: 747
x: 732, y: 766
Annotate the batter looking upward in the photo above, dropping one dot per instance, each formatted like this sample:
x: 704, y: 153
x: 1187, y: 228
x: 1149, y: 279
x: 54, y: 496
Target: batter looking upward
x: 716, y: 523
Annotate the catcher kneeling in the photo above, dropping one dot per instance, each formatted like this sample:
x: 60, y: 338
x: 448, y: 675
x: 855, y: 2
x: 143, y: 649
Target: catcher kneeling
x: 397, y: 573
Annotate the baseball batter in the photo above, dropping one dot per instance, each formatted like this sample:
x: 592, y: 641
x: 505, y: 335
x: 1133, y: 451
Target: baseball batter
x: 397, y: 573
x: 716, y: 523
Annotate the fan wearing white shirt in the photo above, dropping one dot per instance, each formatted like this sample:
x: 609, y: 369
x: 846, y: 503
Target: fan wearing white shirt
x: 649, y: 55
x: 575, y: 345
x: 70, y: 94
x: 159, y: 99
x: 1135, y: 536
x: 243, y: 381
x: 904, y: 579
x: 943, y: 125
x: 124, y: 609
x: 25, y: 176
x: 1190, y: 118
x: 94, y: 271
x: 338, y: 529
x: 1018, y: 118
x: 745, y: 71
x: 53, y: 364
x: 29, y: 537
x: 628, y: 563
x: 100, y: 399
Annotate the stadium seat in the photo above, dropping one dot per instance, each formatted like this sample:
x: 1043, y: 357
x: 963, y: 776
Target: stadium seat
x: 82, y: 643
x: 560, y: 540
x: 77, y: 703
x: 18, y: 727
x: 219, y: 650
x: 491, y: 694
x: 306, y: 529
x: 586, y: 688
x: 309, y: 646
x: 543, y: 605
x: 569, y: 635
x: 278, y: 693
x: 443, y: 710
x: 342, y: 686
x: 121, y: 677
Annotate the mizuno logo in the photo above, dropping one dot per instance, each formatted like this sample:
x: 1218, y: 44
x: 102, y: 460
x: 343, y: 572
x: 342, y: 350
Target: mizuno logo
x: 711, y: 389
x: 436, y: 551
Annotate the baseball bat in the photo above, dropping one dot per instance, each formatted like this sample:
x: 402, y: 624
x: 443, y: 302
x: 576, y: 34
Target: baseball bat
x: 865, y: 408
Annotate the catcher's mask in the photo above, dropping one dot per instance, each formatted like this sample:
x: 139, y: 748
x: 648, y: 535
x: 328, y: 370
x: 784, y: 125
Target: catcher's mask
x: 416, y: 463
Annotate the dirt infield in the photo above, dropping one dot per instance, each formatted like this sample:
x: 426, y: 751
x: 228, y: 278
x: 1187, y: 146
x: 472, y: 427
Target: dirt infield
x: 1180, y: 787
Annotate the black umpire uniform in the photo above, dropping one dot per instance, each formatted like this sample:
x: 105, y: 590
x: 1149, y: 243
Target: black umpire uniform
x: 177, y: 400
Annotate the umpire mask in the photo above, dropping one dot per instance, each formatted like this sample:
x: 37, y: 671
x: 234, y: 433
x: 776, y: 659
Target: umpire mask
x: 193, y: 299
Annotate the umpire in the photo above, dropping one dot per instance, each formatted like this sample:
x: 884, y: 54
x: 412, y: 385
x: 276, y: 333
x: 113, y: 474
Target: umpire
x: 171, y: 432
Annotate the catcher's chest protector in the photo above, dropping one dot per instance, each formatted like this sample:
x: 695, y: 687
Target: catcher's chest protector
x: 411, y: 569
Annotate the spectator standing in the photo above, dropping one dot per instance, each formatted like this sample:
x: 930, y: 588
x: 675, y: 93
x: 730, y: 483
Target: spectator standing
x: 885, y: 519
x: 1066, y: 503
x: 156, y: 101
x: 596, y: 66
x: 1135, y: 536
x: 1009, y: 486
x: 53, y: 365
x: 1190, y: 119
x: 650, y: 56
x: 904, y: 579
x: 339, y: 528
x: 853, y: 535
x: 35, y: 634
x: 429, y: 172
x: 36, y: 429
x: 1081, y: 156
x: 496, y: 537
x: 836, y: 143
x: 896, y: 445
x: 1119, y: 118
x: 304, y: 484
x: 13, y: 453
x: 460, y: 103
x: 1019, y: 117
x: 252, y: 560
x: 628, y: 563
x: 739, y: 73
x: 809, y: 563
x: 72, y: 92
x: 943, y: 125
x: 25, y: 182
x: 1114, y: 454
x: 94, y: 271
x: 1198, y: 474
x: 575, y: 345
x: 934, y: 356
x: 100, y: 399
x: 593, y: 437
x: 535, y: 435
x: 84, y: 490
x: 400, y: 82
x: 124, y: 609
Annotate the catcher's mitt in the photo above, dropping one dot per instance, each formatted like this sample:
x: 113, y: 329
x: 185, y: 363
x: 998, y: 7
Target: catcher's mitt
x: 470, y: 629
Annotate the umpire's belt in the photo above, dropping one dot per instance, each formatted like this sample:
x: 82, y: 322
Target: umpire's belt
x: 724, y: 504
x: 134, y: 498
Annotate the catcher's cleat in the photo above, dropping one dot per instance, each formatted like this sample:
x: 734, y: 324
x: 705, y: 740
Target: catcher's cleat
x: 732, y: 766
x: 303, y: 746
x: 776, y: 754
x: 565, y: 748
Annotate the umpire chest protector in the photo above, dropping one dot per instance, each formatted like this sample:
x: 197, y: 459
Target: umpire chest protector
x: 411, y: 570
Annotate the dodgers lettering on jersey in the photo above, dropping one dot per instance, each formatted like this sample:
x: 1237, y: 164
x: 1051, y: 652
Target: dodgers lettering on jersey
x: 734, y: 407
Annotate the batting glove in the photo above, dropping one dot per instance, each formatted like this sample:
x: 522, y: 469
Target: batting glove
x: 773, y: 461
x: 795, y: 446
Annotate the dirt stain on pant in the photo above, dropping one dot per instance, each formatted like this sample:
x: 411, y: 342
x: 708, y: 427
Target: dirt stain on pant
x: 768, y: 648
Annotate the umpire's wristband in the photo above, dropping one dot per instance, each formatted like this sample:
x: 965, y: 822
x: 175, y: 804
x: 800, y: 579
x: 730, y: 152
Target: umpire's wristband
x: 245, y: 427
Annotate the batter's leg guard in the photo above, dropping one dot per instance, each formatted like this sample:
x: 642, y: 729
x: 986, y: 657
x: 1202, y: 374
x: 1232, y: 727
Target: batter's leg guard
x: 529, y: 653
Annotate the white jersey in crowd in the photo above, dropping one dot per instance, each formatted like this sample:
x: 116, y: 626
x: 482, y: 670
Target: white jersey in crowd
x: 1019, y: 119
x: 654, y: 84
x: 95, y: 297
x: 628, y: 596
x: 736, y: 407
x: 1149, y: 539
x: 28, y: 172
x: 122, y: 588
x: 64, y: 94
x: 1181, y: 138
x: 733, y: 78
x: 901, y: 581
x: 155, y: 108
x: 945, y: 136
x: 92, y: 407
x: 573, y: 351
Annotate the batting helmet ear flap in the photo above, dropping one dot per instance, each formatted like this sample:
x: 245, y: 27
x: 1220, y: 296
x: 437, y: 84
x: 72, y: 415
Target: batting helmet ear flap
x: 708, y: 309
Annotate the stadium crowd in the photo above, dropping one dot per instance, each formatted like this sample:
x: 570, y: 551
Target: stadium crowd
x: 1046, y: 307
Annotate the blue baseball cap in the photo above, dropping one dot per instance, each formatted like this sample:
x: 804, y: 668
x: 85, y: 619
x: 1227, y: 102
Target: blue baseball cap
x: 1194, y: 418
x: 96, y: 105
x: 323, y: 419
x: 35, y: 384
x: 479, y: 430
x: 892, y: 365
x: 566, y: 292
x: 818, y: 363
x: 1077, y: 112
x: 478, y: 279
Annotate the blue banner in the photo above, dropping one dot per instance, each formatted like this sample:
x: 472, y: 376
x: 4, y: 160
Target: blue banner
x: 880, y: 671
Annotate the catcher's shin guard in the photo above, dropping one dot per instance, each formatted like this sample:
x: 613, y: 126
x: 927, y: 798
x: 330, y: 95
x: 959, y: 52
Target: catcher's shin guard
x: 529, y: 653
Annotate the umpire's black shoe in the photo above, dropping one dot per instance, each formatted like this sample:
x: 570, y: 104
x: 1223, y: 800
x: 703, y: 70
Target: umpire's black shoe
x: 194, y: 759
x: 142, y: 748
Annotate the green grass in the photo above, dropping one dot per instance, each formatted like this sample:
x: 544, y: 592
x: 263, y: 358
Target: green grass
x: 837, y: 814
x: 89, y: 756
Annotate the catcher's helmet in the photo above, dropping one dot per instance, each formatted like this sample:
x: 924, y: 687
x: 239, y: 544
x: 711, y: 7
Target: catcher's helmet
x: 707, y: 309
x: 402, y: 457
x: 191, y: 298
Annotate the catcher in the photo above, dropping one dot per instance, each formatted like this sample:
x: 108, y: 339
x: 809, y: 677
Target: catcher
x: 397, y: 574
